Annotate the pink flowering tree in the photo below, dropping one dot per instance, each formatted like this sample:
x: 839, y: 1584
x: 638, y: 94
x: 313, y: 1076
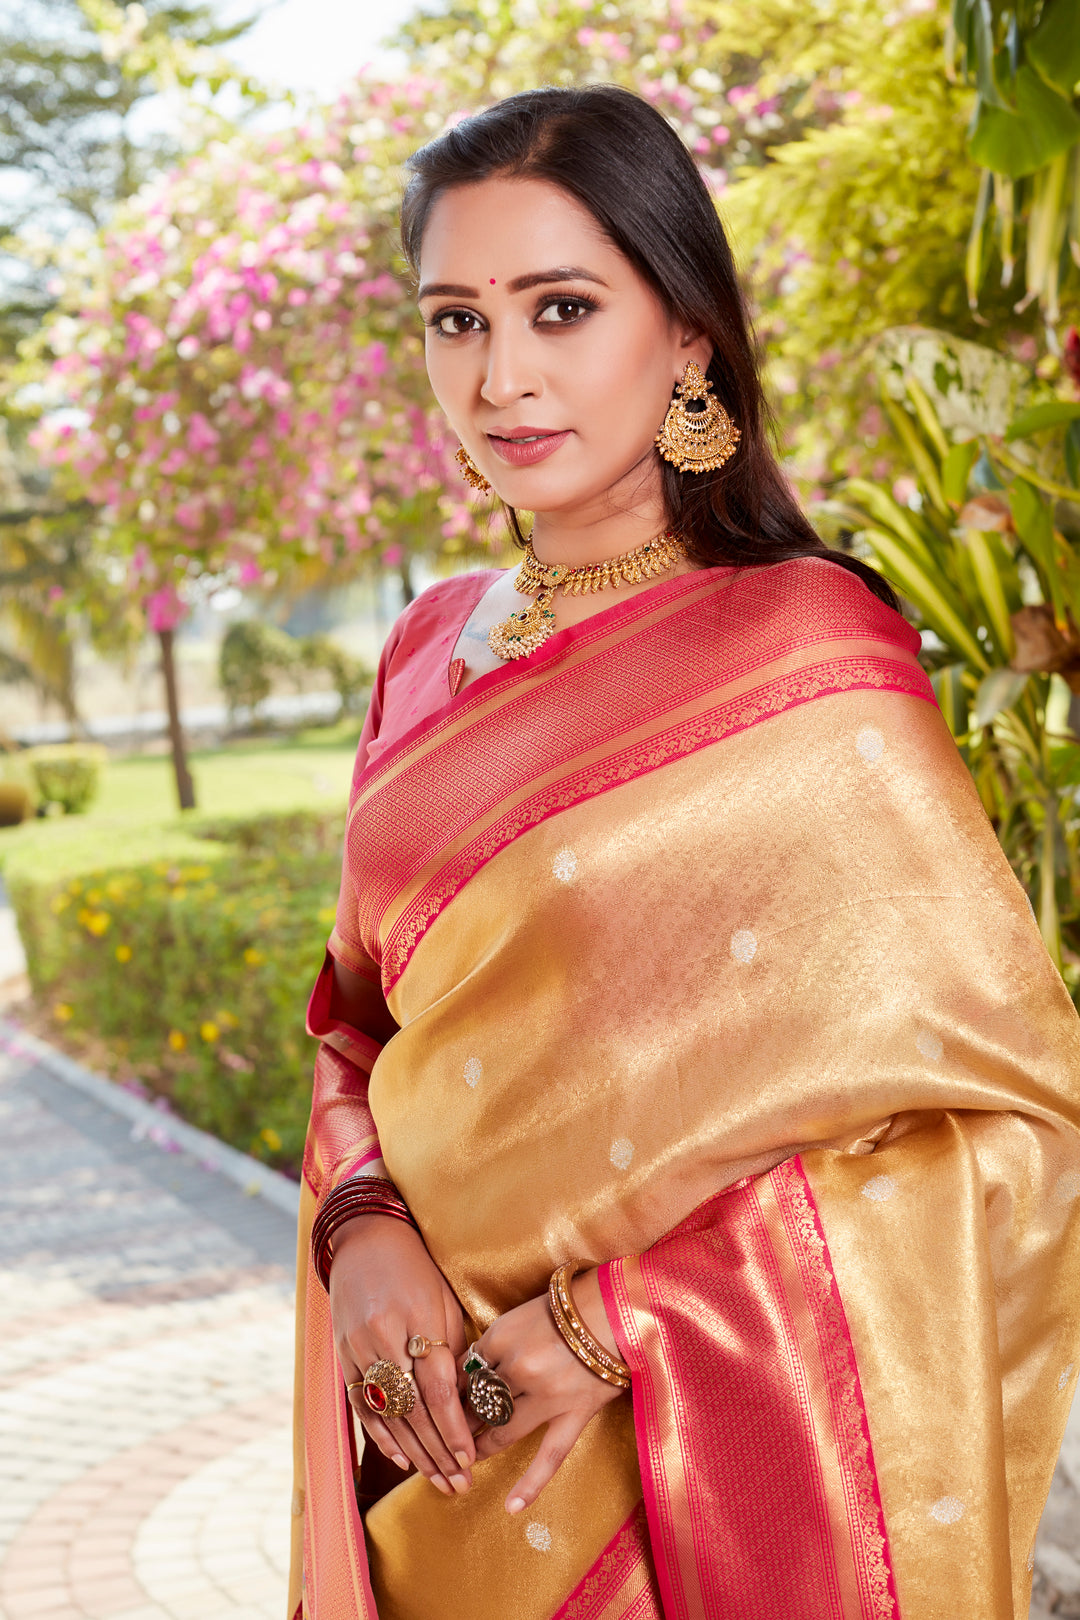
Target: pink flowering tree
x: 237, y: 377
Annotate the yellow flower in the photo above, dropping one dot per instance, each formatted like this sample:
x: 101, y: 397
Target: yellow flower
x: 327, y: 914
x: 123, y: 953
x: 179, y: 892
x: 94, y: 897
x: 59, y: 903
x: 271, y: 1138
x: 97, y: 922
x: 253, y: 957
x: 75, y: 887
x: 177, y: 1040
x: 62, y: 1011
x: 115, y: 889
x: 226, y: 1019
x: 209, y: 1031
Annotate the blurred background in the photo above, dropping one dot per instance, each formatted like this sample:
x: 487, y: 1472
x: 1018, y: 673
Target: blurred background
x: 222, y: 474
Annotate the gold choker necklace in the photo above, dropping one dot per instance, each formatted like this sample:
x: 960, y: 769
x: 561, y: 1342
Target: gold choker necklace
x: 523, y: 632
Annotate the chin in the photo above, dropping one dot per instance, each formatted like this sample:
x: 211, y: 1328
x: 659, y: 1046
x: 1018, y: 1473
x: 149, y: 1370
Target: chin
x: 548, y: 490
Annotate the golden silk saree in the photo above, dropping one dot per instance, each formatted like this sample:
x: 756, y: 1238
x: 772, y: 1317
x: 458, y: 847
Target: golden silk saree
x: 708, y: 969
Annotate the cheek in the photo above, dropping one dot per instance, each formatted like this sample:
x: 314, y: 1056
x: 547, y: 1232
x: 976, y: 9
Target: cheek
x: 443, y: 375
x: 625, y: 389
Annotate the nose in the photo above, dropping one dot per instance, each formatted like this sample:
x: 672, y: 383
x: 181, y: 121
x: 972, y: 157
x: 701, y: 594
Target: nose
x: 510, y: 373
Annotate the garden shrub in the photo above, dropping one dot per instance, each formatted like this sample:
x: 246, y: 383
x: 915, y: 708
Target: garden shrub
x: 192, y: 960
x: 67, y: 774
x: 253, y: 655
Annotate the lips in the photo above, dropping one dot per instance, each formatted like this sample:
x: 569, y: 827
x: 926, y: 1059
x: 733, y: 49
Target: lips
x: 524, y: 447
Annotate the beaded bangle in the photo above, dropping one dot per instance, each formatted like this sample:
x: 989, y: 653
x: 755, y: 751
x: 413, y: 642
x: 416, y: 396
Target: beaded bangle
x: 573, y: 1329
x: 360, y: 1195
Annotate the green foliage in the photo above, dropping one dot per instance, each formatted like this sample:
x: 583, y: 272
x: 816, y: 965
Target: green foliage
x: 67, y: 774
x: 193, y: 960
x: 1024, y: 61
x: 350, y: 678
x: 862, y: 224
x: 986, y: 550
x: 253, y: 654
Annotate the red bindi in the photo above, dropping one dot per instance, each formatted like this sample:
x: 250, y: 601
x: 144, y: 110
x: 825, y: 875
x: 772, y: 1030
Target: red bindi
x: 493, y: 281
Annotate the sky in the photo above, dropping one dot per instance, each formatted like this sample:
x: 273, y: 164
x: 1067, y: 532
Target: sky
x: 316, y: 46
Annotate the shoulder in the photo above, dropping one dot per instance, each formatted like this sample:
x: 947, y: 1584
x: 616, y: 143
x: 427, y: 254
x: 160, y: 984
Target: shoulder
x: 813, y: 598
x: 448, y: 602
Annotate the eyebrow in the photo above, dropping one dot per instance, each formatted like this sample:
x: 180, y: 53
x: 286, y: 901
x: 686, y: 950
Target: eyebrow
x: 538, y: 278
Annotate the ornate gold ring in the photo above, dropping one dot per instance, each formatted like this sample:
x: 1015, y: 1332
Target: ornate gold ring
x: 489, y: 1395
x: 388, y: 1390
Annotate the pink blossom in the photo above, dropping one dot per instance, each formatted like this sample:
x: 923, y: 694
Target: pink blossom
x: 164, y: 609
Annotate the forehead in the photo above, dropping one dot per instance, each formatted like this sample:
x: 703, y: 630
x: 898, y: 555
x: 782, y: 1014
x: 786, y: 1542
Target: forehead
x: 502, y: 228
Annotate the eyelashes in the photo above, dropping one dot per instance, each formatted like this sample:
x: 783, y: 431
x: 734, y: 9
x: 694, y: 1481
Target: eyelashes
x: 583, y: 303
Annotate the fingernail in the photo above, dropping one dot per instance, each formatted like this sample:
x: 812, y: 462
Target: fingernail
x: 460, y: 1483
x: 463, y: 1458
x: 402, y: 1462
x: 441, y: 1485
x: 515, y: 1504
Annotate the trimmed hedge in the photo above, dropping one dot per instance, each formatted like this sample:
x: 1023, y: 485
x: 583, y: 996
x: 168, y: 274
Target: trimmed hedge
x: 191, y: 955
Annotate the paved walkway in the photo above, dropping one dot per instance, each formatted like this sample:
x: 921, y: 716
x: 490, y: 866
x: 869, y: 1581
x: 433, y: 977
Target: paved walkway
x: 145, y: 1372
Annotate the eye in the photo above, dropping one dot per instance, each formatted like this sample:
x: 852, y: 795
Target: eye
x: 565, y: 311
x: 455, y: 322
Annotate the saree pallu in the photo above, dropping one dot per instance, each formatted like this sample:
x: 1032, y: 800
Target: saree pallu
x: 709, y: 970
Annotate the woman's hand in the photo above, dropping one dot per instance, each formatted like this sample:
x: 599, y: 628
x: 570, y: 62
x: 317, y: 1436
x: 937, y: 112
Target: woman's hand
x: 549, y: 1384
x: 384, y: 1288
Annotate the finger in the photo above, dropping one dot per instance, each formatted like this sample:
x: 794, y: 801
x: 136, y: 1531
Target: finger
x: 529, y: 1413
x: 408, y: 1441
x: 378, y: 1433
x: 562, y: 1434
x: 443, y: 1461
x: 416, y: 1438
x: 436, y: 1379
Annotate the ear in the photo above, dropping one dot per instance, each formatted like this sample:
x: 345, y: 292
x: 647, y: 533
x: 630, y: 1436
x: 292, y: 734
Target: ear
x: 693, y: 346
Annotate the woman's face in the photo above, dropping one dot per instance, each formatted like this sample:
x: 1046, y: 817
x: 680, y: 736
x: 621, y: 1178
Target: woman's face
x: 553, y: 360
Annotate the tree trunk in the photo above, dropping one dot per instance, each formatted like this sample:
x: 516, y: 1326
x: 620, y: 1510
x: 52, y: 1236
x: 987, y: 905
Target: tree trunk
x: 185, y: 787
x: 406, y: 580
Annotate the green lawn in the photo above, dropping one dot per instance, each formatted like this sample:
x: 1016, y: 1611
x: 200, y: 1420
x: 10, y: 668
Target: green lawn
x: 309, y: 771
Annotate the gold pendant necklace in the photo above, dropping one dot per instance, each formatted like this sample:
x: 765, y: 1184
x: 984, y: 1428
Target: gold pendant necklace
x: 523, y: 632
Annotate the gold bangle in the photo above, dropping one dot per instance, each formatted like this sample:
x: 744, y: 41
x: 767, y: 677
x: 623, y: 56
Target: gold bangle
x: 587, y: 1349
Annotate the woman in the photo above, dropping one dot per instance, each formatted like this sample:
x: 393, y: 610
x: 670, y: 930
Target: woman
x: 677, y: 964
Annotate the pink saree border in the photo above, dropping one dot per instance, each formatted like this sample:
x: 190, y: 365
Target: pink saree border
x: 866, y: 1511
x: 669, y: 1515
x: 607, y: 1580
x: 771, y: 699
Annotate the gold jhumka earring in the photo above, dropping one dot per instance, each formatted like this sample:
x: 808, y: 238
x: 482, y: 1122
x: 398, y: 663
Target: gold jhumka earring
x: 471, y: 472
x: 698, y: 435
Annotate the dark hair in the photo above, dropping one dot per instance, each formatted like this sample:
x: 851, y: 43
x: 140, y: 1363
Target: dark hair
x: 621, y: 160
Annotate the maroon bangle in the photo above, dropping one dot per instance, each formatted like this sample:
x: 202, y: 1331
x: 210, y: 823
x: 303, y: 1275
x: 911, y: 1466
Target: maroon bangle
x: 361, y: 1195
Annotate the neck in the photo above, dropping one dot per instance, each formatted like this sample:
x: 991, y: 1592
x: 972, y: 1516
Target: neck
x: 559, y: 540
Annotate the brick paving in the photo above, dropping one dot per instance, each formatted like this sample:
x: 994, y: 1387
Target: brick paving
x: 145, y: 1372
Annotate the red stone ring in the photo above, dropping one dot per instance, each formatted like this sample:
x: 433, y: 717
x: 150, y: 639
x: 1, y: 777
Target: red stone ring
x: 388, y: 1390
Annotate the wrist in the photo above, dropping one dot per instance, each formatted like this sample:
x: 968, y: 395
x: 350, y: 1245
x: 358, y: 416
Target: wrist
x: 590, y: 1304
x: 356, y: 1196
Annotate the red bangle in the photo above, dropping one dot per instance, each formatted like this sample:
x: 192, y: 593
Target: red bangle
x: 361, y: 1195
